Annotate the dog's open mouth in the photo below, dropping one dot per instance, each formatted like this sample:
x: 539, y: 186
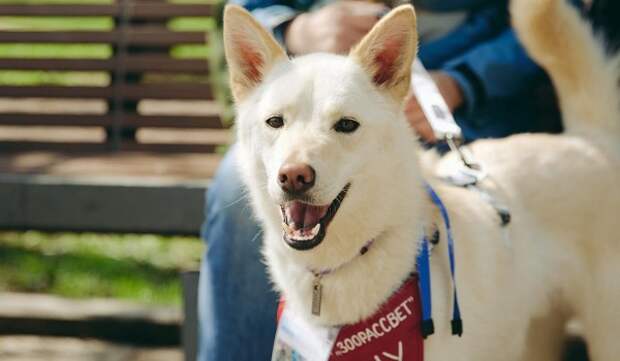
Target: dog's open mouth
x: 305, y: 225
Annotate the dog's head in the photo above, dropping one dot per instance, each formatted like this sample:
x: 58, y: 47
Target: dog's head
x: 323, y: 139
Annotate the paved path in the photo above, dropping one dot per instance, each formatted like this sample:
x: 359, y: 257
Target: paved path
x: 34, y: 348
x: 106, y: 319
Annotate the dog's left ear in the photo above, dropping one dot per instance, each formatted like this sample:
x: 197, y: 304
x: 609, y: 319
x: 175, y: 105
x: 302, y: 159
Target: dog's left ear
x: 387, y: 52
x: 250, y: 50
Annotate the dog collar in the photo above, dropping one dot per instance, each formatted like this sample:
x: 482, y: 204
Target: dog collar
x: 423, y: 268
x: 317, y: 287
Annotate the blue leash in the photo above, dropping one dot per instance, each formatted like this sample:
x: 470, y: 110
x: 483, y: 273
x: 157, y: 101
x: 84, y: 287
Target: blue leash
x: 427, y: 327
x: 423, y: 263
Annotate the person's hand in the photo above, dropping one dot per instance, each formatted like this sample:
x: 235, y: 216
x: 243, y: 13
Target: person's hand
x: 334, y: 28
x: 452, y: 94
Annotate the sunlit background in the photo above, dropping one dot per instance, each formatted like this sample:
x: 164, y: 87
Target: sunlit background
x: 109, y: 133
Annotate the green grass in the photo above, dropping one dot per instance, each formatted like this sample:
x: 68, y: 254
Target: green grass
x: 35, y: 2
x: 39, y: 2
x: 100, y: 51
x: 28, y: 77
x: 191, y: 24
x: 89, y: 51
x: 55, y: 23
x: 143, y: 268
x: 33, y: 78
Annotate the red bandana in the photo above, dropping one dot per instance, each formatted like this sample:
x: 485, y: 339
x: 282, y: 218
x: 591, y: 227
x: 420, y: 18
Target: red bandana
x: 391, y: 334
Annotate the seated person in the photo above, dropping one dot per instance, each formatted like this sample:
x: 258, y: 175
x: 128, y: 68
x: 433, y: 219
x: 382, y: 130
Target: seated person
x: 604, y: 16
x: 486, y: 78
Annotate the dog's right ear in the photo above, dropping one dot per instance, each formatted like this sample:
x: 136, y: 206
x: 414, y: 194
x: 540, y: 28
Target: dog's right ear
x: 387, y: 51
x: 250, y: 50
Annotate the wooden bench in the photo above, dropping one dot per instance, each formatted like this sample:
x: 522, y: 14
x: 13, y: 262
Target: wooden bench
x: 131, y: 153
x: 140, y: 43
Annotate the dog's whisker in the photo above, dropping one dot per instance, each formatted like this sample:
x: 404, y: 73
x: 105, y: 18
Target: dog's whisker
x: 238, y: 200
x: 258, y: 234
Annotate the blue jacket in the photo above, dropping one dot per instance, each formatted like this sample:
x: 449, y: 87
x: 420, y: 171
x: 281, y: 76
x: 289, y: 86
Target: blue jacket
x: 505, y: 91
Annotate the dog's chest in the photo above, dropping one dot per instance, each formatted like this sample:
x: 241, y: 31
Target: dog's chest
x: 392, y: 333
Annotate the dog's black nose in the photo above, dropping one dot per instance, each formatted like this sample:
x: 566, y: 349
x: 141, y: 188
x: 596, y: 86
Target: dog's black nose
x: 296, y: 178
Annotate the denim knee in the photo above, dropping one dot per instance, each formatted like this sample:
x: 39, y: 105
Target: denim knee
x: 236, y: 302
x: 226, y: 198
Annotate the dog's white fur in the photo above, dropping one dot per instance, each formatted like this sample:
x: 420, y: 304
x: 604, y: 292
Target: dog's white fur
x: 518, y: 286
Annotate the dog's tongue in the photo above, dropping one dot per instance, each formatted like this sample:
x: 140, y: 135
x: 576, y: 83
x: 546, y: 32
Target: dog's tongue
x: 304, y: 216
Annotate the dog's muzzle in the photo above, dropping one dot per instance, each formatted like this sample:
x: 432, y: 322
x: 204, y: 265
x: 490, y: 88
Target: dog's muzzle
x: 305, y: 225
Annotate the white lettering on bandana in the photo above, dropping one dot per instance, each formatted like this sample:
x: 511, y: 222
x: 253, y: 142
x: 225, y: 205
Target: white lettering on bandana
x: 392, y: 333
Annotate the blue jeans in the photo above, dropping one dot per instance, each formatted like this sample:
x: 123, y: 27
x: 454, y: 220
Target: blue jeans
x: 236, y: 303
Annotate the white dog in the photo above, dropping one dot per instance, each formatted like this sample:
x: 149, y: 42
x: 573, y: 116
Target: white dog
x: 332, y: 165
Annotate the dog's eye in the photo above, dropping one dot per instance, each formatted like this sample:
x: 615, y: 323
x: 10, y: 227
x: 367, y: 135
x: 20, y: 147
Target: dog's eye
x: 275, y: 122
x: 346, y: 125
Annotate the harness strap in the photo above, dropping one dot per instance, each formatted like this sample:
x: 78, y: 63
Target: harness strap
x: 427, y: 327
x: 425, y: 279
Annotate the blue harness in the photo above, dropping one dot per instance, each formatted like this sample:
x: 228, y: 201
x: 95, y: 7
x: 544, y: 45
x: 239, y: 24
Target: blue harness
x: 423, y: 266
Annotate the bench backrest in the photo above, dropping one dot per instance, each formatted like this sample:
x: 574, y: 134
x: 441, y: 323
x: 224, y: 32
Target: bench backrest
x: 139, y: 67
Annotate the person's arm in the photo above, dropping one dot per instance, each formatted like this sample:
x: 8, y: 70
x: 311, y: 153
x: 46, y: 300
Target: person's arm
x: 334, y: 28
x: 498, y: 68
x: 456, y: 83
x: 274, y: 15
x: 481, y: 25
x: 605, y: 16
x: 450, y: 5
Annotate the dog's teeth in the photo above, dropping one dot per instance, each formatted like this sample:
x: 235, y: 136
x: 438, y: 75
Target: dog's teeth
x: 315, y: 230
x: 300, y: 234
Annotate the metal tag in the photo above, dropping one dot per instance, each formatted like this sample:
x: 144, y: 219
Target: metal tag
x: 317, y: 295
x: 462, y: 176
x: 466, y: 171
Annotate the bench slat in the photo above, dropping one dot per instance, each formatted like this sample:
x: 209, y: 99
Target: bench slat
x: 34, y: 119
x: 55, y: 92
x: 152, y: 37
x: 59, y: 10
x: 173, y: 121
x: 132, y: 64
x: 136, y: 10
x: 169, y: 147
x: 84, y: 147
x: 154, y: 121
x: 130, y: 92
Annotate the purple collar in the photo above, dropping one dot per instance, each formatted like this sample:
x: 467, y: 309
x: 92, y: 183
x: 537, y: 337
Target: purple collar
x: 324, y: 272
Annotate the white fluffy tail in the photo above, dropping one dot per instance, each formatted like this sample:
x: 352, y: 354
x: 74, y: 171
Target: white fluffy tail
x: 586, y: 79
